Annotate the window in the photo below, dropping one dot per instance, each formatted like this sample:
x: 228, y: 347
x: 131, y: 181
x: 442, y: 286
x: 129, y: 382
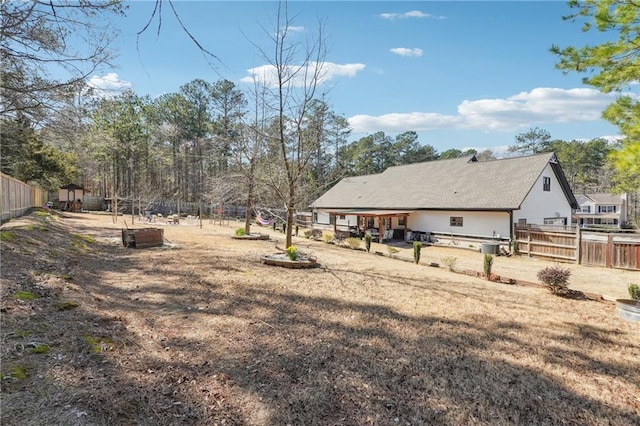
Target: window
x: 585, y: 209
x: 402, y: 221
x: 315, y: 217
x: 455, y: 221
x: 332, y: 219
x: 607, y: 209
x: 342, y: 217
x: 546, y: 183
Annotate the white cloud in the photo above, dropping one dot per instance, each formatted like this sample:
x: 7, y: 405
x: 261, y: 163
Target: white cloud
x: 526, y: 109
x: 406, y: 51
x: 541, y: 105
x: 266, y: 74
x: 411, y: 14
x: 295, y: 29
x: 106, y: 86
x: 401, y: 122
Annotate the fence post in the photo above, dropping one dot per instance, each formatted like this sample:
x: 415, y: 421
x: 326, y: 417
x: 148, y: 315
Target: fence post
x: 608, y: 251
x: 528, y: 240
x: 578, y: 245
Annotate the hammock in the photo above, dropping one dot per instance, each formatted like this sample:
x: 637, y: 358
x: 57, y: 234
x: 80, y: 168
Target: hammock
x: 262, y: 221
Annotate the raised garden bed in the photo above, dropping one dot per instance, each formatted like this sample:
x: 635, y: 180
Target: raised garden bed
x: 282, y: 260
x: 251, y: 237
x: 142, y: 238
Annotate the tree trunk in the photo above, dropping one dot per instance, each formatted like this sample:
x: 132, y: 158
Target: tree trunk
x: 290, y: 208
x: 247, y: 219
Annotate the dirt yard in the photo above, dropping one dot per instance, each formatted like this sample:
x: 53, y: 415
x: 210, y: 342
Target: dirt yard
x: 201, y: 332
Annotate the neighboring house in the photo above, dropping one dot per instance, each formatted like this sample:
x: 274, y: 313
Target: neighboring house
x: 601, y: 209
x: 458, y: 197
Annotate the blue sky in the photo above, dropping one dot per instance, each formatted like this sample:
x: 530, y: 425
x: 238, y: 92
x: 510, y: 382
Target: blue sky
x: 461, y: 74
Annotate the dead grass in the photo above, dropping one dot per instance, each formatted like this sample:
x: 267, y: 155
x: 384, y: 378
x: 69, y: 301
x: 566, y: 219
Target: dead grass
x: 203, y: 333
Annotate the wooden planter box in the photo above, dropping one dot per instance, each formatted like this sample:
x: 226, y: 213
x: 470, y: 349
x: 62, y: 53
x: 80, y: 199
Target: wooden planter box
x: 142, y: 238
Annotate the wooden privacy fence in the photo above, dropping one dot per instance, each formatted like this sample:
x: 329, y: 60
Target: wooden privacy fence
x: 573, y: 244
x: 18, y: 197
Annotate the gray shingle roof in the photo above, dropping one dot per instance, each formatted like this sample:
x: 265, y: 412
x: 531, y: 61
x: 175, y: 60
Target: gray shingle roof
x: 601, y: 198
x: 445, y: 184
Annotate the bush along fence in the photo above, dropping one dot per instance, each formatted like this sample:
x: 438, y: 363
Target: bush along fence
x: 18, y: 197
x: 573, y: 244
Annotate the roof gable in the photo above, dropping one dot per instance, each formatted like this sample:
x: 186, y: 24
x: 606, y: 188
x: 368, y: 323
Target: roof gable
x: 601, y: 198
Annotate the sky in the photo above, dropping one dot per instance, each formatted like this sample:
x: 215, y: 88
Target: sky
x: 462, y: 75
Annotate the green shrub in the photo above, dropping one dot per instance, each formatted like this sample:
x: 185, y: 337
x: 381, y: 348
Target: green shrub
x: 292, y: 252
x: 487, y: 265
x: 367, y: 241
x: 450, y: 262
x: 392, y: 250
x: 634, y: 291
x: 417, y: 247
x: 327, y: 237
x: 354, y: 242
x: 555, y: 278
x: 240, y: 232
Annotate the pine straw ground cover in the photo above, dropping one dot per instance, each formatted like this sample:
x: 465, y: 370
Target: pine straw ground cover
x: 202, y: 333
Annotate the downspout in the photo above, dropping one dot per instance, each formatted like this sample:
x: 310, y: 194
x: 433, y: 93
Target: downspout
x: 511, y: 225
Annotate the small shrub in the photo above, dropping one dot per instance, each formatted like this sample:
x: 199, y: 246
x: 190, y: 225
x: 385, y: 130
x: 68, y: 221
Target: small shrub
x: 292, y: 252
x: 392, y: 250
x: 240, y: 232
x: 634, y: 291
x: 555, y: 277
x: 327, y: 237
x: 417, y: 247
x: 450, y: 262
x: 367, y: 241
x: 354, y: 242
x: 487, y: 265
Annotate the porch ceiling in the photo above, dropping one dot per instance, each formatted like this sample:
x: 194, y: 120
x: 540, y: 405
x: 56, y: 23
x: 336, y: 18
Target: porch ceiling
x: 368, y: 213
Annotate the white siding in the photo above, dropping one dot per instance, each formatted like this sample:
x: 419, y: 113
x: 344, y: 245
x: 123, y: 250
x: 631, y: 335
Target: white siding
x: 324, y: 219
x: 480, y: 224
x: 539, y: 204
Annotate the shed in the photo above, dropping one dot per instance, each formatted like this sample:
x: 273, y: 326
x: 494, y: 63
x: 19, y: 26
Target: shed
x: 70, y: 197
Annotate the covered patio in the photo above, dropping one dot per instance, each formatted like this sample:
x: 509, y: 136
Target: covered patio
x: 377, y: 222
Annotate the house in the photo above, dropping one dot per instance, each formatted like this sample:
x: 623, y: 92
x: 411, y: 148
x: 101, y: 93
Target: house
x: 601, y: 209
x: 456, y: 197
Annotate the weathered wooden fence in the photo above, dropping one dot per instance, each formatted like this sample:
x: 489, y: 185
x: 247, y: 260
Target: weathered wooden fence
x: 17, y: 197
x: 573, y: 244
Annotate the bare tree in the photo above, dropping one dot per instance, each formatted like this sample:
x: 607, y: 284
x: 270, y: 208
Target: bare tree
x: 293, y: 73
x: 36, y: 43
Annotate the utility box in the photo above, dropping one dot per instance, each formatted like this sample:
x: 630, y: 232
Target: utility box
x: 490, y: 248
